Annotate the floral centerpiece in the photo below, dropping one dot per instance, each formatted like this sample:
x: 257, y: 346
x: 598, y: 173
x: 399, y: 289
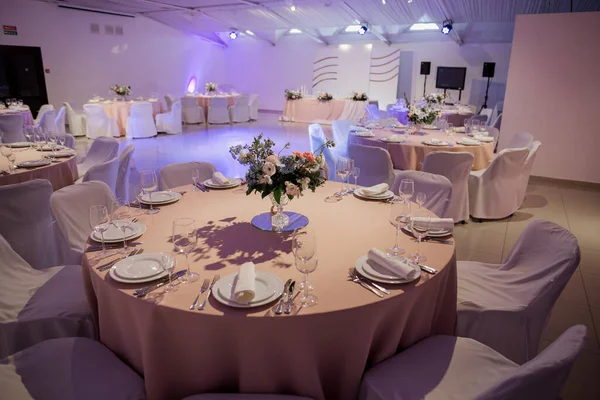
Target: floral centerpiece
x: 359, y: 96
x: 210, y: 87
x: 324, y: 96
x: 292, y: 94
x: 281, y: 177
x: 121, y: 90
x: 421, y: 114
x: 435, y: 98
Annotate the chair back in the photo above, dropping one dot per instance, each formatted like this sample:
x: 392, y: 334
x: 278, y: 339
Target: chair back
x: 142, y: 110
x: 520, y: 140
x: 241, y: 110
x: 59, y: 121
x: 102, y: 149
x: 218, y: 102
x: 46, y: 121
x: 188, y: 102
x: 437, y: 188
x: 41, y: 111
x: 341, y: 131
x: 488, y: 113
x: 375, y: 164
x: 498, y: 108
x: 169, y: 100
x: 76, y: 126
x: 180, y: 174
x: 97, y: 120
x: 106, y: 172
x: 317, y: 141
x: 242, y: 102
x: 373, y: 111
x: 11, y: 125
x: 495, y: 133
x: 122, y: 188
x: 69, y: 140
x: 497, y: 122
x: 252, y: 98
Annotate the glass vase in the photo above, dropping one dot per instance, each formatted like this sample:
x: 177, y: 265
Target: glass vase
x: 279, y: 219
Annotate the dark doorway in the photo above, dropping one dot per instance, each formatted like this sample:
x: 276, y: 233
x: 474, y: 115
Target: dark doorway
x: 22, y: 76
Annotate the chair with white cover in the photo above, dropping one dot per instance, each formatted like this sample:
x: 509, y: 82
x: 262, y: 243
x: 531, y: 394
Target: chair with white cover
x: 533, y: 148
x: 125, y: 156
x: 218, y: 112
x: 59, y: 121
x: 76, y: 121
x: 180, y: 174
x: 317, y: 141
x: 106, y: 172
x: 240, y: 112
x: 520, y: 140
x: 506, y: 306
x: 375, y: 113
x: 447, y: 367
x: 494, y: 192
x: 488, y: 113
x: 71, y: 207
x: 46, y: 122
x: 102, y: 149
x: 497, y: 122
x: 455, y: 166
x: 99, y: 124
x: 169, y: 100
x: 494, y: 133
x: 244, y: 396
x: 170, y: 122
x: 253, y: 105
x: 437, y: 188
x: 11, y: 125
x: 39, y: 305
x: 191, y: 112
x: 69, y: 368
x: 375, y: 164
x: 41, y: 111
x: 341, y: 131
x: 140, y: 123
x: 26, y: 222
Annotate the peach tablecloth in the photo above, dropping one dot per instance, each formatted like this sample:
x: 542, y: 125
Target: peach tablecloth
x: 411, y: 155
x: 119, y: 110
x: 311, y: 110
x: 60, y: 174
x: 319, y: 352
x: 27, y: 116
x: 203, y: 101
x: 454, y: 118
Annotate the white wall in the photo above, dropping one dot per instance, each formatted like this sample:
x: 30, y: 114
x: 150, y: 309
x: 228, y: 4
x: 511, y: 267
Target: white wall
x: 150, y: 56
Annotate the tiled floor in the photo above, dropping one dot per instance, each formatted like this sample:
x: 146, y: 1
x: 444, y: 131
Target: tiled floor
x: 576, y: 207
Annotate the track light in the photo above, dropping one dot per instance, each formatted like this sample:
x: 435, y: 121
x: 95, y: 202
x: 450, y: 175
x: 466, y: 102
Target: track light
x: 447, y: 27
x: 233, y: 35
x: 362, y: 30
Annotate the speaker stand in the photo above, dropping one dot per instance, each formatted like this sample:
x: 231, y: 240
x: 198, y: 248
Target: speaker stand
x: 459, y: 94
x: 487, y: 89
x: 425, y: 86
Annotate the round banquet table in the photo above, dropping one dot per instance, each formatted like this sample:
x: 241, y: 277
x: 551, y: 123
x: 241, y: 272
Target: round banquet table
x: 453, y: 117
x: 320, y: 352
x: 204, y: 100
x: 25, y: 112
x: 410, y: 155
x: 119, y: 110
x: 60, y: 174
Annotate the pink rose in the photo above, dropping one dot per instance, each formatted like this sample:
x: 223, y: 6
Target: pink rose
x: 310, y: 157
x: 272, y: 159
x: 298, y: 154
x: 292, y: 190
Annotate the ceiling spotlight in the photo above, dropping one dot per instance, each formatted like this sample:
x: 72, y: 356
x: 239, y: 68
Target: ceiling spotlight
x: 447, y: 27
x: 249, y: 32
x: 383, y: 2
x: 293, y: 7
x: 362, y: 30
x: 233, y: 35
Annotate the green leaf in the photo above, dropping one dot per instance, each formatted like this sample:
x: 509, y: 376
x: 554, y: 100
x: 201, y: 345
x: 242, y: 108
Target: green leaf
x: 277, y: 194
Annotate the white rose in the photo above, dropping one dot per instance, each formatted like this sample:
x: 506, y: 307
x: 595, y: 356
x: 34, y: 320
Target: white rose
x: 265, y: 179
x: 269, y: 168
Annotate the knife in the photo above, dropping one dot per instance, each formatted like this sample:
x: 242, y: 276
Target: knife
x: 427, y: 269
x: 201, y: 187
x: 94, y: 247
x: 286, y: 287
x: 288, y: 306
x: 141, y: 292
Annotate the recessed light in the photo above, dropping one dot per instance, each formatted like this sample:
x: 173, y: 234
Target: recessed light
x: 428, y: 26
x: 352, y: 28
x: 295, y: 30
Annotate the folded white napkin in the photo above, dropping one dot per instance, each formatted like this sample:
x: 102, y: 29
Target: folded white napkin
x: 354, y: 128
x: 372, y: 125
x: 435, y: 141
x: 438, y: 224
x: 469, y: 141
x: 397, y: 266
x: 244, y: 286
x: 460, y: 129
x: 484, y: 138
x: 377, y: 189
x: 220, y: 179
x: 394, y: 138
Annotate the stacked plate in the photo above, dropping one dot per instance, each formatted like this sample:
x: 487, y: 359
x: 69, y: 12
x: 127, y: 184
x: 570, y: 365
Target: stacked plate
x: 375, y: 272
x: 34, y: 163
x: 435, y: 143
x: 141, y: 268
x: 381, y: 196
x: 469, y: 142
x: 391, y: 140
x: 233, y: 182
x: 115, y: 235
x: 160, y: 198
x: 63, y: 153
x: 431, y: 127
x: 486, y: 139
x: 18, y: 145
x: 268, y: 288
x: 47, y: 147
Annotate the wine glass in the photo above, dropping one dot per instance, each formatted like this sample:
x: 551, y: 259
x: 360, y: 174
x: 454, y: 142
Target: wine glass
x: 421, y: 199
x: 420, y: 225
x: 399, y: 215
x: 39, y: 140
x: 100, y: 221
x: 475, y: 127
x: 407, y: 189
x: 185, y: 240
x: 12, y: 157
x: 449, y: 132
x: 121, y: 216
x: 169, y: 263
x: 304, y: 247
x: 53, y: 140
x: 343, y: 166
x: 29, y: 130
x: 195, y: 180
x: 149, y: 184
x: 355, y: 174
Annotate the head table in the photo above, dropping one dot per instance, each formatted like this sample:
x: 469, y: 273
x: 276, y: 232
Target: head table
x: 311, y: 110
x: 203, y: 100
x: 320, y: 352
x: 61, y: 173
x: 120, y: 110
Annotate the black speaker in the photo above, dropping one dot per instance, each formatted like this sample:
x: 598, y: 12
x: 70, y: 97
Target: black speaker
x: 425, y: 68
x: 488, y: 69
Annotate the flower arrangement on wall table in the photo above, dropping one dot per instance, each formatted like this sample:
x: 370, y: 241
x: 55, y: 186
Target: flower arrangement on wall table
x: 421, y: 113
x: 324, y: 96
x: 359, y: 96
x: 210, y: 86
x: 292, y: 94
x: 121, y: 90
x: 435, y: 98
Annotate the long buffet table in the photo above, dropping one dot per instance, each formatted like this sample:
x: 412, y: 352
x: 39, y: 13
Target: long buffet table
x: 310, y: 110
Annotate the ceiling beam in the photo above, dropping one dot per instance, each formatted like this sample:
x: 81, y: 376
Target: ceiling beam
x: 221, y: 22
x: 456, y: 37
x: 358, y: 17
x: 217, y: 41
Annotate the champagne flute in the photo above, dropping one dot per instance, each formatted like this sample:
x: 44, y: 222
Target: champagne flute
x: 356, y: 175
x: 342, y: 169
x: 53, y: 139
x: 185, y: 240
x: 122, y: 217
x: 304, y: 247
x: 195, y: 180
x: 399, y: 215
x: 420, y: 225
x: 421, y: 199
x: 407, y: 189
x: 169, y: 263
x: 99, y: 222
x: 149, y: 184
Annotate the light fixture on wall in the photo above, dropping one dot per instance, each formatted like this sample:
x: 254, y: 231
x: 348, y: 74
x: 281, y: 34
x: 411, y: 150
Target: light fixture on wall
x: 191, y: 87
x: 447, y: 27
x: 233, y: 35
x: 363, y: 29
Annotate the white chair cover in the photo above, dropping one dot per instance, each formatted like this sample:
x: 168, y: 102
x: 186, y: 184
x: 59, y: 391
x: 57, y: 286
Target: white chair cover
x: 192, y: 113
x: 437, y: 188
x: 240, y: 112
x: 253, y: 104
x: 341, y: 131
x: 170, y: 122
x: 102, y: 149
x: 506, y: 306
x: 106, y: 172
x: 497, y: 122
x: 77, y: 122
x: 456, y: 167
x: 11, y: 125
x: 125, y: 156
x: 39, y: 305
x: 375, y: 113
x: 169, y: 100
x: 317, y: 141
x: 98, y: 123
x: 180, y: 174
x: 242, y: 396
x: 533, y: 148
x: 488, y: 113
x: 46, y: 122
x: 69, y: 369
x: 59, y: 121
x: 498, y: 108
x: 71, y: 208
x: 41, y: 111
x: 26, y: 223
x: 495, y: 133
x: 140, y: 123
x: 446, y: 367
x: 375, y: 164
x: 69, y: 140
x: 217, y: 111
x: 520, y: 140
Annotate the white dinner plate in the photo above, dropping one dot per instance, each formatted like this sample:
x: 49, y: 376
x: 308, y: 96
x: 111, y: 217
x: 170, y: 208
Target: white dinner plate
x: 166, y: 197
x: 388, y: 140
x: 268, y: 289
x: 436, y: 233
x: 382, y: 196
x: 430, y: 143
x: 485, y: 139
x: 375, y: 272
x: 469, y: 144
x: 115, y: 235
x: 431, y: 127
x: 233, y: 182
x: 33, y: 163
x: 141, y: 262
x: 17, y: 145
x: 364, y: 134
x: 47, y: 147
x: 64, y: 153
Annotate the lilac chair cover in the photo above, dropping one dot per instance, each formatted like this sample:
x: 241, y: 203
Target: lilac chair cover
x: 39, y: 305
x: 59, y: 121
x: 43, y: 108
x: 520, y: 140
x: 437, y: 188
x: 191, y: 112
x: 341, y: 131
x: 11, y: 125
x: 375, y: 164
x: 46, y: 121
x: 495, y: 192
x: 106, y: 172
x: 456, y: 167
x: 124, y: 158
x: 240, y: 112
x: 446, y: 367
x: 180, y: 174
x: 241, y: 396
x: 98, y: 124
x: 69, y: 369
x: 26, y: 223
x: 533, y: 148
x: 506, y: 306
x: 140, y: 123
x: 71, y: 205
x: 317, y: 141
x: 102, y: 149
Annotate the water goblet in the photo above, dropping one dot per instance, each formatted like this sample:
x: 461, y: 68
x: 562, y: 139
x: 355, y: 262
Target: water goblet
x: 195, y: 180
x: 149, y: 184
x: 99, y: 222
x: 185, y: 239
x: 407, y: 189
x: 7, y: 152
x: 399, y: 216
x: 169, y: 263
x: 122, y: 217
x: 356, y: 175
x: 342, y: 169
x: 304, y: 247
x: 420, y: 225
x: 62, y: 140
x: 53, y: 141
x: 421, y: 199
x: 28, y: 133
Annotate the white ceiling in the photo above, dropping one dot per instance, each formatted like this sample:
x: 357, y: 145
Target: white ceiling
x: 474, y: 21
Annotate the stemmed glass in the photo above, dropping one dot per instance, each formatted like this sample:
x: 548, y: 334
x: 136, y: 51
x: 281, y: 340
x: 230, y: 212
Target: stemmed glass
x: 29, y: 131
x: 122, y: 217
x: 355, y: 174
x: 399, y: 216
x: 169, y: 263
x: 53, y: 139
x: 149, y: 184
x: 420, y: 225
x: 8, y: 153
x: 407, y: 189
x: 100, y: 221
x: 62, y: 140
x: 421, y: 199
x: 450, y: 132
x: 195, y: 180
x: 39, y: 140
x: 343, y: 167
x: 304, y: 247
x: 475, y: 127
x: 185, y: 240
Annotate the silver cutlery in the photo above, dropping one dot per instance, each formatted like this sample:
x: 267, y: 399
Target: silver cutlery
x: 215, y: 279
x: 369, y: 282
x: 288, y: 306
x: 109, y: 265
x: 206, y: 189
x: 286, y: 287
x: 141, y: 292
x: 438, y: 240
x: 354, y: 278
x: 95, y: 247
x: 427, y: 269
x: 202, y: 290
x: 200, y: 187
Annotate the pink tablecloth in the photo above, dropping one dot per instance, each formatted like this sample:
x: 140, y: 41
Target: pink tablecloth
x: 204, y: 101
x: 120, y: 111
x: 60, y: 174
x: 311, y: 110
x: 411, y: 155
x: 27, y: 116
x: 319, y: 352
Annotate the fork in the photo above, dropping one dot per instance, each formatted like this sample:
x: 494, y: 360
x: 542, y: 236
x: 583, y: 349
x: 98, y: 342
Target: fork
x: 356, y: 279
x: 110, y: 264
x: 214, y: 280
x: 202, y: 290
x: 368, y: 282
